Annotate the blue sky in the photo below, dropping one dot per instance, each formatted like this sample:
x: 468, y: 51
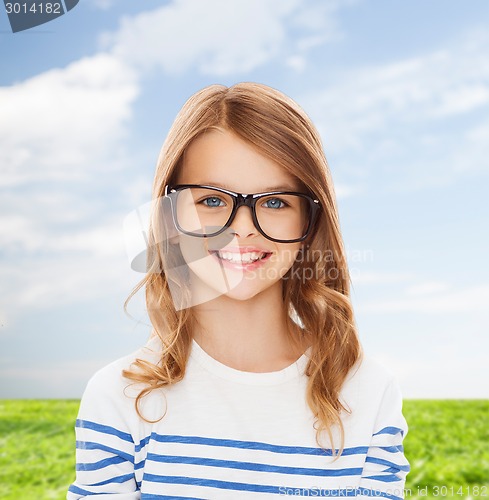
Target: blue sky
x: 400, y: 94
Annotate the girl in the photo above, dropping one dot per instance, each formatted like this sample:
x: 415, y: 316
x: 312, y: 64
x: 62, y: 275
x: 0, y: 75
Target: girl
x: 253, y: 383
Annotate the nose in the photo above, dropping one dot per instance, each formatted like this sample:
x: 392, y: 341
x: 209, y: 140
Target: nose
x: 242, y: 224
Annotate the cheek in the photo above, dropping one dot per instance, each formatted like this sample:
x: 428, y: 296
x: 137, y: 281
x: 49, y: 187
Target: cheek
x: 278, y: 265
x: 287, y: 256
x: 193, y: 249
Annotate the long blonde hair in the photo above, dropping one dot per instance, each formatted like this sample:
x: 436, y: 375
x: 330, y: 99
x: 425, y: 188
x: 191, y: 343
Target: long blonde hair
x: 316, y: 289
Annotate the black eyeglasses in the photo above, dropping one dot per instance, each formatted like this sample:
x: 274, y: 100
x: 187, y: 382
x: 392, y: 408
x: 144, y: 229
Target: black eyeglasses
x: 206, y: 211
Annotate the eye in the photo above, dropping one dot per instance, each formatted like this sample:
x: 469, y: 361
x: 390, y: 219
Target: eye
x: 275, y: 203
x: 213, y: 201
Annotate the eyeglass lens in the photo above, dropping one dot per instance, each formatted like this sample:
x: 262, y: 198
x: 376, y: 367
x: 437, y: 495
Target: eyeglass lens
x: 204, y: 211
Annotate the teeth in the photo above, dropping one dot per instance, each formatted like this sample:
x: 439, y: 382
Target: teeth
x: 245, y: 258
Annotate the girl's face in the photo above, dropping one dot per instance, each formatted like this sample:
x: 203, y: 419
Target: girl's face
x: 220, y: 158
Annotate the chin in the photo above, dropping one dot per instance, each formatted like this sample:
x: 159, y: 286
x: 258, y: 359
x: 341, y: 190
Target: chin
x: 240, y: 293
x: 248, y: 290
x: 243, y: 295
x: 212, y: 283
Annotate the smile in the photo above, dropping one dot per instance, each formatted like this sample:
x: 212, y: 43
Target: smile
x: 241, y: 260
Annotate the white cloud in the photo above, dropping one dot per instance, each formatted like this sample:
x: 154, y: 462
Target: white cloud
x: 59, y: 248
x: 59, y: 224
x: 99, y: 241
x: 461, y: 99
x: 297, y: 63
x: 53, y: 282
x: 63, y: 243
x: 433, y: 376
x: 405, y: 117
x: 479, y: 133
x: 465, y: 300
x: 473, y: 157
x: 222, y: 38
x: 64, y: 379
x: 346, y: 190
x: 216, y: 37
x: 414, y: 90
x: 138, y: 191
x: 66, y: 122
x: 366, y: 277
x: 426, y: 288
x: 103, y: 4
x: 319, y: 17
x: 48, y: 268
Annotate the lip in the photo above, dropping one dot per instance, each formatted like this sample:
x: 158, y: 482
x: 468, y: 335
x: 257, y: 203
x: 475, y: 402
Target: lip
x: 241, y: 250
x: 242, y: 267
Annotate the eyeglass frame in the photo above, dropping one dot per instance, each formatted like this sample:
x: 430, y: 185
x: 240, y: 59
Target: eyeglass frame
x: 240, y: 199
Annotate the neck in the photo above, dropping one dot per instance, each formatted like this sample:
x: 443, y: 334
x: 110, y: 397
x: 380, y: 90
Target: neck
x: 254, y: 335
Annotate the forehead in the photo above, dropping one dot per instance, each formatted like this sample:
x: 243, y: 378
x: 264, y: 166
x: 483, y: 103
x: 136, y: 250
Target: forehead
x: 221, y: 158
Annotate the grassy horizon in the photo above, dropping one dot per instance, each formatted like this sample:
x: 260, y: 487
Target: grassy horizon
x: 447, y: 446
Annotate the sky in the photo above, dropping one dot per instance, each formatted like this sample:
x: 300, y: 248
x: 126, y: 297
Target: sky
x: 399, y: 92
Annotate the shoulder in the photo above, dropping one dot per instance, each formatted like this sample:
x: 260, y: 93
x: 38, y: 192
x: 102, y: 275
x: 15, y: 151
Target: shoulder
x: 109, y: 397
x: 370, y: 371
x: 372, y: 399
x: 109, y: 379
x: 369, y: 382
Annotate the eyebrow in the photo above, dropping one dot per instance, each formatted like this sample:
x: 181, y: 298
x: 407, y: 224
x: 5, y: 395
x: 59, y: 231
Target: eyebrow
x: 283, y: 187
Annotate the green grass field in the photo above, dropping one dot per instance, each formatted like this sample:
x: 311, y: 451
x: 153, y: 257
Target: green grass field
x: 447, y: 446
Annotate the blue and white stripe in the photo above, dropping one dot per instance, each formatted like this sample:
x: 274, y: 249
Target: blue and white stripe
x: 205, y: 467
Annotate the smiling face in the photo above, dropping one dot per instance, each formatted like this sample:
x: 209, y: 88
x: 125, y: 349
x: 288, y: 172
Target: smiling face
x: 220, y: 158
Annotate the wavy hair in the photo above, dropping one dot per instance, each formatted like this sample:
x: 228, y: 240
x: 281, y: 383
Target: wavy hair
x: 316, y: 289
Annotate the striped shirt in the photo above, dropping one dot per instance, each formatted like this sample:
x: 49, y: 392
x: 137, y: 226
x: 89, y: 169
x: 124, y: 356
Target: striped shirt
x: 229, y: 434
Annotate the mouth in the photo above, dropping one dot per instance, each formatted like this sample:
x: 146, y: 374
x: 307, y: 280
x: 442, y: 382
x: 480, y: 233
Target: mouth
x: 241, y: 260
